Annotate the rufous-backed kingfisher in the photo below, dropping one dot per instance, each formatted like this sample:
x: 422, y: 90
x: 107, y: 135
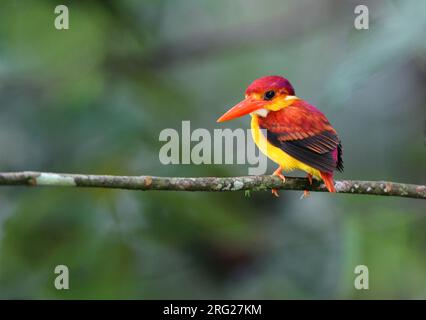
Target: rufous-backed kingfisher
x: 298, y: 135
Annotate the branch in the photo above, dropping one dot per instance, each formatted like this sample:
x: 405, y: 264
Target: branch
x: 253, y: 183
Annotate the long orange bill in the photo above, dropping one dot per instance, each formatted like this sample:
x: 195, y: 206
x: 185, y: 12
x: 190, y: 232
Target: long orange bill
x: 241, y: 109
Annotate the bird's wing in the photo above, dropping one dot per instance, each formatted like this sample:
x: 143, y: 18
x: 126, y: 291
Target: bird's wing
x: 304, y: 133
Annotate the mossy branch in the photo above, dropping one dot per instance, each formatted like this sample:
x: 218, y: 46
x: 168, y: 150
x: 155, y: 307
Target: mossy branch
x: 254, y: 183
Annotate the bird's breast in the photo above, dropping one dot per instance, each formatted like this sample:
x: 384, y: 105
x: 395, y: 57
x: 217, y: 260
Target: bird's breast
x: 287, y: 162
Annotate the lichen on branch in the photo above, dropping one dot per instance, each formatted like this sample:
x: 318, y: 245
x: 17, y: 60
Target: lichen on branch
x: 209, y: 184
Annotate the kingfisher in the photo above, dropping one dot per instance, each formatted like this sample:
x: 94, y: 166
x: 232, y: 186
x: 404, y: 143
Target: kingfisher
x: 295, y: 135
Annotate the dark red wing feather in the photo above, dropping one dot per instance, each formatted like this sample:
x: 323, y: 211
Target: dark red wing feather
x: 302, y: 131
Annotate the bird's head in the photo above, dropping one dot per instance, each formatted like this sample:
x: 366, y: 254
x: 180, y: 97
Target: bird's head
x: 270, y: 93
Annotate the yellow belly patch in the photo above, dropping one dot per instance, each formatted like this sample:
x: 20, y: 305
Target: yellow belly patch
x: 287, y: 162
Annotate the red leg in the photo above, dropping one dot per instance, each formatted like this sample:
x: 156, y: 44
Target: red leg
x: 309, y: 176
x: 279, y: 174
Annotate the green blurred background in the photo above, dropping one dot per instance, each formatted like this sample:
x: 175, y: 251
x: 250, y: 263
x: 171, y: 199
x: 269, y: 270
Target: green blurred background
x: 94, y: 98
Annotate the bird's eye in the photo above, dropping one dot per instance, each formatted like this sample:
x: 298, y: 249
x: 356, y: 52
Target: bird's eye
x: 269, y: 95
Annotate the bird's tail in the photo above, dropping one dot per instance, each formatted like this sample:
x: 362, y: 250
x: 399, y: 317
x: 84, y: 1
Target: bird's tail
x: 328, y: 180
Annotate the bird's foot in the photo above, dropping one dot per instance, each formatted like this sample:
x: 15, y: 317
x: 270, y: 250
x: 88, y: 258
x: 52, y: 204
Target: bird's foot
x: 275, y: 193
x: 306, y: 193
x: 281, y: 176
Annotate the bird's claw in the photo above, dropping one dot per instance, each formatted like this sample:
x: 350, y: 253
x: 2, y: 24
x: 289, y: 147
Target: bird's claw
x: 306, y: 193
x: 275, y: 193
x: 281, y: 176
